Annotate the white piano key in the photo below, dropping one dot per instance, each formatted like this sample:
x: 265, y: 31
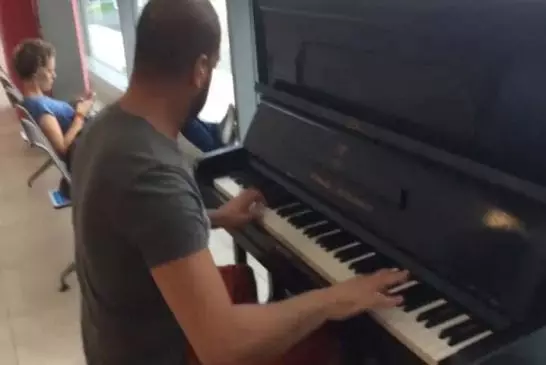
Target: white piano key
x: 425, y: 342
x: 331, y: 233
x: 413, y: 334
x: 227, y: 186
x: 452, y: 322
x: 294, y: 215
x: 442, y: 347
x: 313, y: 225
x: 307, y: 249
x: 430, y: 306
x: 361, y: 258
x: 326, y: 234
x: 404, y: 286
x: 291, y: 205
x: 350, y: 245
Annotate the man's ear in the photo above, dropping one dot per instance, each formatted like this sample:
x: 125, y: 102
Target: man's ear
x: 201, y: 72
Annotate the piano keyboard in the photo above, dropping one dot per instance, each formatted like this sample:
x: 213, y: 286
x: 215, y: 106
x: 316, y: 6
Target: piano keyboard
x: 426, y: 323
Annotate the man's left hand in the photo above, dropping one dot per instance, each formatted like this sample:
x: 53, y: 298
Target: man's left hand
x: 239, y: 211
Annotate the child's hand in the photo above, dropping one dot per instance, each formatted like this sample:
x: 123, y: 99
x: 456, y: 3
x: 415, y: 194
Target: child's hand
x: 89, y: 95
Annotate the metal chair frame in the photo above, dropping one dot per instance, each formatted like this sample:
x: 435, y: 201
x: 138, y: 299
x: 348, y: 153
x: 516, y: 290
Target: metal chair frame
x: 33, y: 134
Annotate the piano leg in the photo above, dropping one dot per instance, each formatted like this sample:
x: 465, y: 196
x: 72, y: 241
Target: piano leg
x: 239, y: 254
x: 276, y: 292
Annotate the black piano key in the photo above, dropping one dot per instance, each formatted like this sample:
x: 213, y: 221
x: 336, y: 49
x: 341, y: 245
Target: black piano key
x: 244, y: 178
x: 240, y: 181
x: 372, y: 264
x: 306, y: 219
x: 270, y: 188
x: 278, y: 200
x: 275, y: 195
x: 336, y: 240
x: 353, y: 252
x: 441, y: 315
x: 418, y: 296
x: 320, y: 229
x: 291, y: 210
x: 459, y: 329
x: 466, y: 333
x: 251, y: 179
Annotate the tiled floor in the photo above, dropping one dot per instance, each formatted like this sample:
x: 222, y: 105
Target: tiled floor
x: 39, y: 325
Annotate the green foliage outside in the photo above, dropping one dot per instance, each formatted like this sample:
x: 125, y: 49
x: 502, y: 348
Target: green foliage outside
x: 98, y: 7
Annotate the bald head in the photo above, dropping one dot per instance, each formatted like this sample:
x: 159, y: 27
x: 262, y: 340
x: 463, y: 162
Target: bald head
x: 173, y: 34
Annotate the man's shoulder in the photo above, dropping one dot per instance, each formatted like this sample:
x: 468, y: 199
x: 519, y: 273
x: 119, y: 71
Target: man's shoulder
x: 124, y: 146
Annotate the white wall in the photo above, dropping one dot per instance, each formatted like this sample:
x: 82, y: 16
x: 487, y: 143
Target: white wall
x: 58, y: 27
x: 2, y: 55
x: 7, y: 114
x: 4, y: 103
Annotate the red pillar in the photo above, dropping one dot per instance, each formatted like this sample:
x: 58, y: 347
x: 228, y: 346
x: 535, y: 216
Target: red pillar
x: 81, y: 46
x: 18, y: 21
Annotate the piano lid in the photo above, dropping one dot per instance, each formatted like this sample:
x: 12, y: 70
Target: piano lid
x: 466, y: 76
x: 483, y: 238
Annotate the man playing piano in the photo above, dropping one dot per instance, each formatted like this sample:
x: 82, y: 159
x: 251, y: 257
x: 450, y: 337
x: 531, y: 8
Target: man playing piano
x: 148, y: 282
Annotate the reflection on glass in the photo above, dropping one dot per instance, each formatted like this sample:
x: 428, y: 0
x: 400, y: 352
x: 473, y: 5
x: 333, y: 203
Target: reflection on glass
x: 105, y: 38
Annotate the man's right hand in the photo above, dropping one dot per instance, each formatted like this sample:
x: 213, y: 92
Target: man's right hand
x: 365, y: 292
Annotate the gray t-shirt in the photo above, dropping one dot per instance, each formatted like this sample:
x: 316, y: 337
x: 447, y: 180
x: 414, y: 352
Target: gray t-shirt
x: 135, y: 207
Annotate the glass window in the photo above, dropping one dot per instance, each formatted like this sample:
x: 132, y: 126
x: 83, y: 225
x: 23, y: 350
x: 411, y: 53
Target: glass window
x: 221, y: 92
x: 225, y: 53
x: 141, y: 4
x: 105, y: 37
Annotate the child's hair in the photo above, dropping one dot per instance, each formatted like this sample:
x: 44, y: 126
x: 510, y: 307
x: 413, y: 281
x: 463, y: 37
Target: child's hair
x: 30, y: 56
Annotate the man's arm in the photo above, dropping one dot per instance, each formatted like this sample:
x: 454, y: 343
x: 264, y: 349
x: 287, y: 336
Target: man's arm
x: 162, y: 217
x: 223, y: 333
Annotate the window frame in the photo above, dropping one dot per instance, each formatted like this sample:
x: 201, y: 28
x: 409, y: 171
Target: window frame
x: 127, y: 11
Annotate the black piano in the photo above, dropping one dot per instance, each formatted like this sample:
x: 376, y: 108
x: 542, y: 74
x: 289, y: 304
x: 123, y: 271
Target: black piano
x: 411, y: 135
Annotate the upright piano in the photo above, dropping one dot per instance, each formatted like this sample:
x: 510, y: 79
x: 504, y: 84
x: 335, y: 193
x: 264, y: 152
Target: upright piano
x: 411, y: 135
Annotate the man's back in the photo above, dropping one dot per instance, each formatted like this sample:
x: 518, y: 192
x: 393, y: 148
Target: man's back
x: 120, y: 163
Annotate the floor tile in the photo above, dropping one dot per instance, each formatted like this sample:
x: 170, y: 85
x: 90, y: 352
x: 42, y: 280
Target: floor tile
x: 38, y: 325
x: 50, y: 337
x: 3, y: 301
x: 8, y: 354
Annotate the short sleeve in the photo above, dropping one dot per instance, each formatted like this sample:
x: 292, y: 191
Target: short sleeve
x: 38, y: 109
x: 162, y: 215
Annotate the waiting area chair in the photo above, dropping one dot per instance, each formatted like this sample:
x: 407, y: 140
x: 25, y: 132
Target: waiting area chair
x: 33, y: 136
x: 14, y: 96
x: 37, y: 139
